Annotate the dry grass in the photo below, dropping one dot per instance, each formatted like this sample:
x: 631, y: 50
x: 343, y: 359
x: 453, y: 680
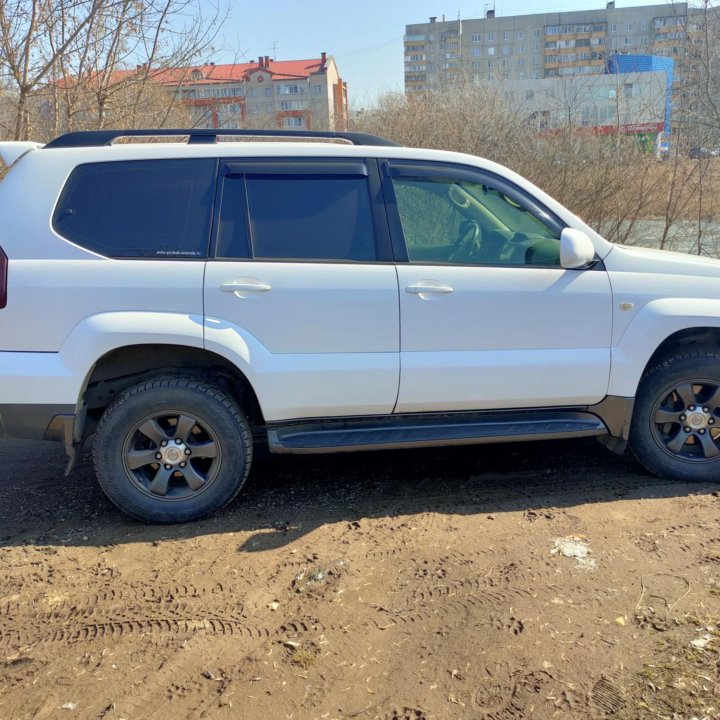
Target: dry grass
x: 609, y: 181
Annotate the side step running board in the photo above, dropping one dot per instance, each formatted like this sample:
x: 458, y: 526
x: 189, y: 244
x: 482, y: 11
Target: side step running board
x: 346, y: 435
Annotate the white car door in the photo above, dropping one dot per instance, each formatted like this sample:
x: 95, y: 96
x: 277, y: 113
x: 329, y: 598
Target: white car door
x: 302, y: 292
x: 489, y: 319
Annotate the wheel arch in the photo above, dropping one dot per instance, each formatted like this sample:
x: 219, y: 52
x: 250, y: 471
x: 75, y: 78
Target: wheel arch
x: 124, y: 366
x: 658, y: 329
x: 691, y: 338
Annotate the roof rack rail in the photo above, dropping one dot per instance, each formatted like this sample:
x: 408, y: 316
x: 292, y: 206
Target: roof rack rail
x: 98, y: 138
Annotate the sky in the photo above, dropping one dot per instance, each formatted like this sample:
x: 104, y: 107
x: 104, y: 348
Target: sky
x: 364, y: 36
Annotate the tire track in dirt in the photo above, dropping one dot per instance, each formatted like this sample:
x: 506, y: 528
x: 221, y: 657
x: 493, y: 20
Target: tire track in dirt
x: 120, y: 596
x: 117, y: 629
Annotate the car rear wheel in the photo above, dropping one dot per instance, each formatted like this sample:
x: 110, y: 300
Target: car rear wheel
x: 675, y: 430
x: 172, y: 449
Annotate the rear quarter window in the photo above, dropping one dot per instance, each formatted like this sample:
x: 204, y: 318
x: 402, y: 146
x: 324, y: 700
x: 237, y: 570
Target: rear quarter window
x: 139, y: 209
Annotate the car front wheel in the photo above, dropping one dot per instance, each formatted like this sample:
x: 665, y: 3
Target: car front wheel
x: 675, y: 430
x: 172, y: 449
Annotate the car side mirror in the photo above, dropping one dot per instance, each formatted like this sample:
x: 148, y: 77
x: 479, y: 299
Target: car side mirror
x: 576, y: 249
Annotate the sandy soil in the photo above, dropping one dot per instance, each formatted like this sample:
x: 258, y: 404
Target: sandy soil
x: 407, y: 585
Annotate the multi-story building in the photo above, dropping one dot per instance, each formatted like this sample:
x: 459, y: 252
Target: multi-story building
x: 531, y: 47
x: 263, y: 94
x: 628, y: 102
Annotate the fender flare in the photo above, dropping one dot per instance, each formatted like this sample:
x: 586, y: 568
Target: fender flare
x: 651, y: 326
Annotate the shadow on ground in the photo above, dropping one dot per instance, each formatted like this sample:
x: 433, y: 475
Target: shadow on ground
x: 287, y: 497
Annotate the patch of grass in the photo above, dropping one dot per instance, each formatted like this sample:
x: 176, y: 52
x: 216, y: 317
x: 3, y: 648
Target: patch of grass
x: 304, y: 659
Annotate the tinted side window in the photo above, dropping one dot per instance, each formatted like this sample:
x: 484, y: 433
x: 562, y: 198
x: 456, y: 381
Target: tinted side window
x: 460, y: 222
x: 310, y: 217
x: 232, y: 239
x: 139, y: 208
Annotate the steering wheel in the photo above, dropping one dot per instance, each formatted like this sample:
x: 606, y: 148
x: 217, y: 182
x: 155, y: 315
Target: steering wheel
x: 467, y: 243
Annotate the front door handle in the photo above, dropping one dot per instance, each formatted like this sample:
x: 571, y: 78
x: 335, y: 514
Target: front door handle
x: 245, y: 285
x: 425, y: 286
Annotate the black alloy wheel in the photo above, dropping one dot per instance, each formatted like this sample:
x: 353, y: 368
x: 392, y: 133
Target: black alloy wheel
x: 675, y: 430
x: 172, y: 449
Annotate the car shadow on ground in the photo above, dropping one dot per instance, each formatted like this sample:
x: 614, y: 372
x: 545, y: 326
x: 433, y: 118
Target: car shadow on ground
x: 287, y: 497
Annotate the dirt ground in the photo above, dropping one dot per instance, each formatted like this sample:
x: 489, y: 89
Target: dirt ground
x: 440, y: 584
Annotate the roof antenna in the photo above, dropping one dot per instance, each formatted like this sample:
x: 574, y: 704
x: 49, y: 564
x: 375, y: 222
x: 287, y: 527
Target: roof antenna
x: 274, y: 49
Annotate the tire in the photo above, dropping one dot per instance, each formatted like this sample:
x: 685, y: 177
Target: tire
x: 172, y: 449
x: 675, y: 430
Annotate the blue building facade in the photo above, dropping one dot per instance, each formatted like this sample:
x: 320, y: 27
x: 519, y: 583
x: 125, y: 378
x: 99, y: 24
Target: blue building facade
x: 618, y: 64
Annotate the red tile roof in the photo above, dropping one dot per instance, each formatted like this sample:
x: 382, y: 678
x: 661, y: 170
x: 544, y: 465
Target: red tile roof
x: 212, y: 74
x: 237, y: 72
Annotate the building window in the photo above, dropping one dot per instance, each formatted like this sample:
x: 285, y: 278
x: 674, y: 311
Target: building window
x: 491, y: 51
x: 292, y: 122
x: 476, y: 37
x: 491, y: 64
x: 491, y: 37
x: 292, y: 89
x: 521, y: 48
x: 268, y: 92
x: 521, y: 35
x: 253, y: 92
x: 628, y: 41
x: 536, y: 33
x: 506, y: 35
x: 506, y: 49
x: 644, y: 40
x: 613, y: 28
x: 475, y: 52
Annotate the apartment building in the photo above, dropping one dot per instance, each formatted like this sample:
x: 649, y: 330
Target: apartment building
x: 268, y: 93
x: 625, y: 103
x: 544, y: 45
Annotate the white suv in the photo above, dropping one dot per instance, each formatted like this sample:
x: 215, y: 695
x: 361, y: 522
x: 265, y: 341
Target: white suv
x: 178, y: 301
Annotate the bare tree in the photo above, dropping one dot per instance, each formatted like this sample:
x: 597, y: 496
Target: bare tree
x: 609, y: 180
x: 95, y: 63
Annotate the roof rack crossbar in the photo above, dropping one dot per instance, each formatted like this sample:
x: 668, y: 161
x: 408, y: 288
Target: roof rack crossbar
x: 98, y: 138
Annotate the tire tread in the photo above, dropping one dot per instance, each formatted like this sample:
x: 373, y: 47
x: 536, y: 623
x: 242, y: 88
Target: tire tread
x: 171, y: 382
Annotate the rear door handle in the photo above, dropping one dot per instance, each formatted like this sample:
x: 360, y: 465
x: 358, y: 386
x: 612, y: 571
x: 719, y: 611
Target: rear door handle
x: 245, y: 285
x: 425, y: 287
